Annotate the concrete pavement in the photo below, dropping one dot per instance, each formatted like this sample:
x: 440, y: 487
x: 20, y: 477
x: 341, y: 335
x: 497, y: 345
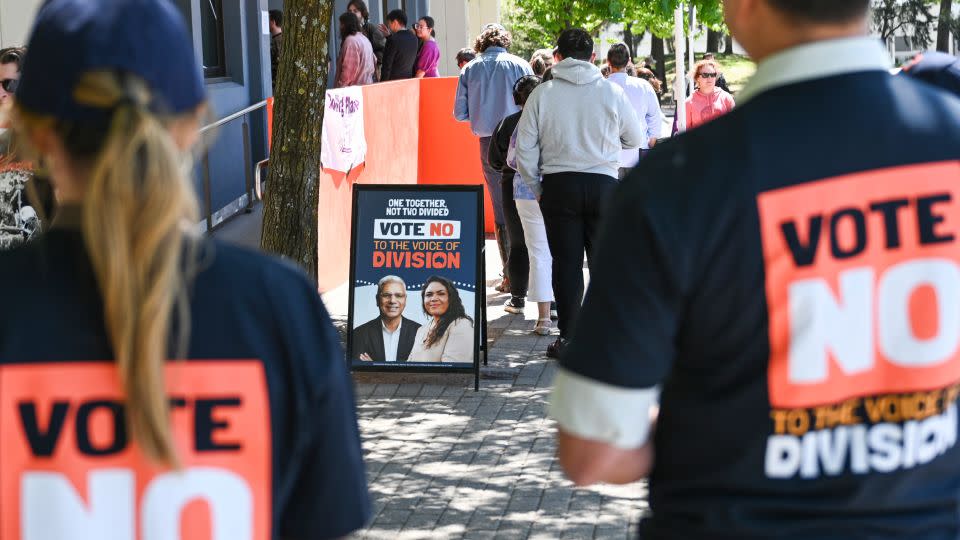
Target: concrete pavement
x: 447, y: 462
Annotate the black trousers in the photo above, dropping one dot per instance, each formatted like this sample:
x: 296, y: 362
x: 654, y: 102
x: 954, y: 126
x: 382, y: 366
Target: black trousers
x: 572, y: 205
x: 518, y: 261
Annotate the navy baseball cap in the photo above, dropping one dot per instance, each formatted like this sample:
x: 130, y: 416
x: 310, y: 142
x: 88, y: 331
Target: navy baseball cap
x: 936, y: 68
x: 146, y: 38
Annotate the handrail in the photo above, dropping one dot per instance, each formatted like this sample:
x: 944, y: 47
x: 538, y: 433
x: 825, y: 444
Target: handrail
x: 253, y: 191
x: 234, y: 116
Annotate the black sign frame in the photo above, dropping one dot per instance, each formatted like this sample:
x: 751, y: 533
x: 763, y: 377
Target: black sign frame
x: 480, y: 305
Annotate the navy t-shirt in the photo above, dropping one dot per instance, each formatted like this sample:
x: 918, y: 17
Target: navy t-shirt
x: 262, y: 410
x: 790, y: 274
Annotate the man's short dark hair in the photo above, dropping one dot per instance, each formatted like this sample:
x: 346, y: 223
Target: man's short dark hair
x: 822, y: 11
x: 466, y: 54
x: 618, y: 56
x: 13, y: 55
x: 277, y: 17
x: 349, y: 24
x: 575, y: 43
x: 399, y: 16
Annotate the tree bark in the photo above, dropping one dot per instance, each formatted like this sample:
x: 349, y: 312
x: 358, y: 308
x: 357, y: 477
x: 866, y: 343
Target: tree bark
x: 713, y: 40
x: 729, y: 45
x: 290, y: 203
x: 628, y: 38
x: 659, y: 55
x: 944, y: 26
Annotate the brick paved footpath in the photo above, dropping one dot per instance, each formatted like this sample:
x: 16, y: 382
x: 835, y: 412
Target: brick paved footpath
x: 447, y: 462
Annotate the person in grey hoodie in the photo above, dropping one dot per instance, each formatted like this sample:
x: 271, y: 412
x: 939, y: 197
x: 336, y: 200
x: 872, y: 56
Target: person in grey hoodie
x: 571, y: 133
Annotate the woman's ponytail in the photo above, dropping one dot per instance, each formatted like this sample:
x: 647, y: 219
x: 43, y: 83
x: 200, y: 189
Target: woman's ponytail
x: 137, y: 211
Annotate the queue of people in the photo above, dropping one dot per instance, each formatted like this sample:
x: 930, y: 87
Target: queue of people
x: 371, y: 53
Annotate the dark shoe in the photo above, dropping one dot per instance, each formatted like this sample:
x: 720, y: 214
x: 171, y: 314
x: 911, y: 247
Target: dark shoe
x: 515, y: 305
x: 553, y: 311
x: 555, y: 349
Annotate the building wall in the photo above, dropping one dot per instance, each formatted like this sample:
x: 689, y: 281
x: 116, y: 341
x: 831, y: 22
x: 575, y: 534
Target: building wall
x: 16, y: 18
x: 247, y: 81
x: 480, y: 12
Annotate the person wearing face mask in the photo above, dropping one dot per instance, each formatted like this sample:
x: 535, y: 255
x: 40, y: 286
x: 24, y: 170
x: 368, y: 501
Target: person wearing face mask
x: 708, y: 101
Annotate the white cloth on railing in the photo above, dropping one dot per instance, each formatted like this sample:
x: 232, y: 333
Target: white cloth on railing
x: 344, y: 144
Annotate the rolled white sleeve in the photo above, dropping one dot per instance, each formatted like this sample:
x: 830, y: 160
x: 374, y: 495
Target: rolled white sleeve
x: 631, y: 136
x: 654, y: 115
x: 602, y: 412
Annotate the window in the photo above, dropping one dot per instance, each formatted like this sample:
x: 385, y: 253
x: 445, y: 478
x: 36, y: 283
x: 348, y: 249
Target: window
x: 211, y: 28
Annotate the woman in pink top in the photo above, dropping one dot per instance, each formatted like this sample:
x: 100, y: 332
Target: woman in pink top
x: 356, y: 63
x: 429, y: 55
x: 708, y: 102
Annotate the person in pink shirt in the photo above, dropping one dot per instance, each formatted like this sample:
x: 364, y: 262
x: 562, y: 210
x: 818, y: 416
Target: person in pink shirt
x: 356, y: 62
x: 429, y: 55
x: 709, y: 101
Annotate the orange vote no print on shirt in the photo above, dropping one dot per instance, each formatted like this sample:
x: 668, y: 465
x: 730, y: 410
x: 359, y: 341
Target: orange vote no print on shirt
x: 69, y: 468
x: 863, y: 284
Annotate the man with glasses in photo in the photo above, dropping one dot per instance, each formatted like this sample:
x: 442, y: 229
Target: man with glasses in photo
x: 390, y: 336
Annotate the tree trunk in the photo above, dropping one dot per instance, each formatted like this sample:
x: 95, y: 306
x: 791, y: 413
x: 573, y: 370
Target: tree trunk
x: 628, y: 38
x: 290, y: 204
x: 729, y: 45
x: 713, y: 40
x: 944, y: 26
x: 659, y: 55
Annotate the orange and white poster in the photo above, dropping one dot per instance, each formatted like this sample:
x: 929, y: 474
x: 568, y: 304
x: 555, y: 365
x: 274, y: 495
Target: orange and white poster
x: 69, y: 468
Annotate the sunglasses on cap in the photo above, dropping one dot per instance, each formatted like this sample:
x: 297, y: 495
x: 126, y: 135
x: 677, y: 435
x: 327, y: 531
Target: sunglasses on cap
x: 9, y: 85
x: 709, y: 75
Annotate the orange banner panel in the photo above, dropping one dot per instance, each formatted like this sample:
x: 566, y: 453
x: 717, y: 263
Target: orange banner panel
x: 449, y: 151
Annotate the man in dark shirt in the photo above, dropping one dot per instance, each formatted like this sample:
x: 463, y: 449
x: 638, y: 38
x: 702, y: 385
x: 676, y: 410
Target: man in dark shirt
x: 772, y: 331
x: 276, y: 40
x: 390, y: 336
x: 400, y: 54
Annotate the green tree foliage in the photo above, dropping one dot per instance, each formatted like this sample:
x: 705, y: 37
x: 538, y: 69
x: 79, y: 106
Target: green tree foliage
x: 536, y: 23
x: 912, y: 18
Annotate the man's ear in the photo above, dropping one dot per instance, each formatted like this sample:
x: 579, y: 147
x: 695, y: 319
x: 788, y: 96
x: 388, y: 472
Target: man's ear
x: 593, y: 56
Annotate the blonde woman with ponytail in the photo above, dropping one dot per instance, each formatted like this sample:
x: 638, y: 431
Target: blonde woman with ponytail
x: 143, y: 366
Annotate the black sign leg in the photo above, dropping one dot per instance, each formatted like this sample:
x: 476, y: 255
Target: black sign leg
x: 483, y: 306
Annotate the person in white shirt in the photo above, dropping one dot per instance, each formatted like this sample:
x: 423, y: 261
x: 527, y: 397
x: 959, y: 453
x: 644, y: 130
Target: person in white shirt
x: 389, y: 337
x: 644, y: 101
